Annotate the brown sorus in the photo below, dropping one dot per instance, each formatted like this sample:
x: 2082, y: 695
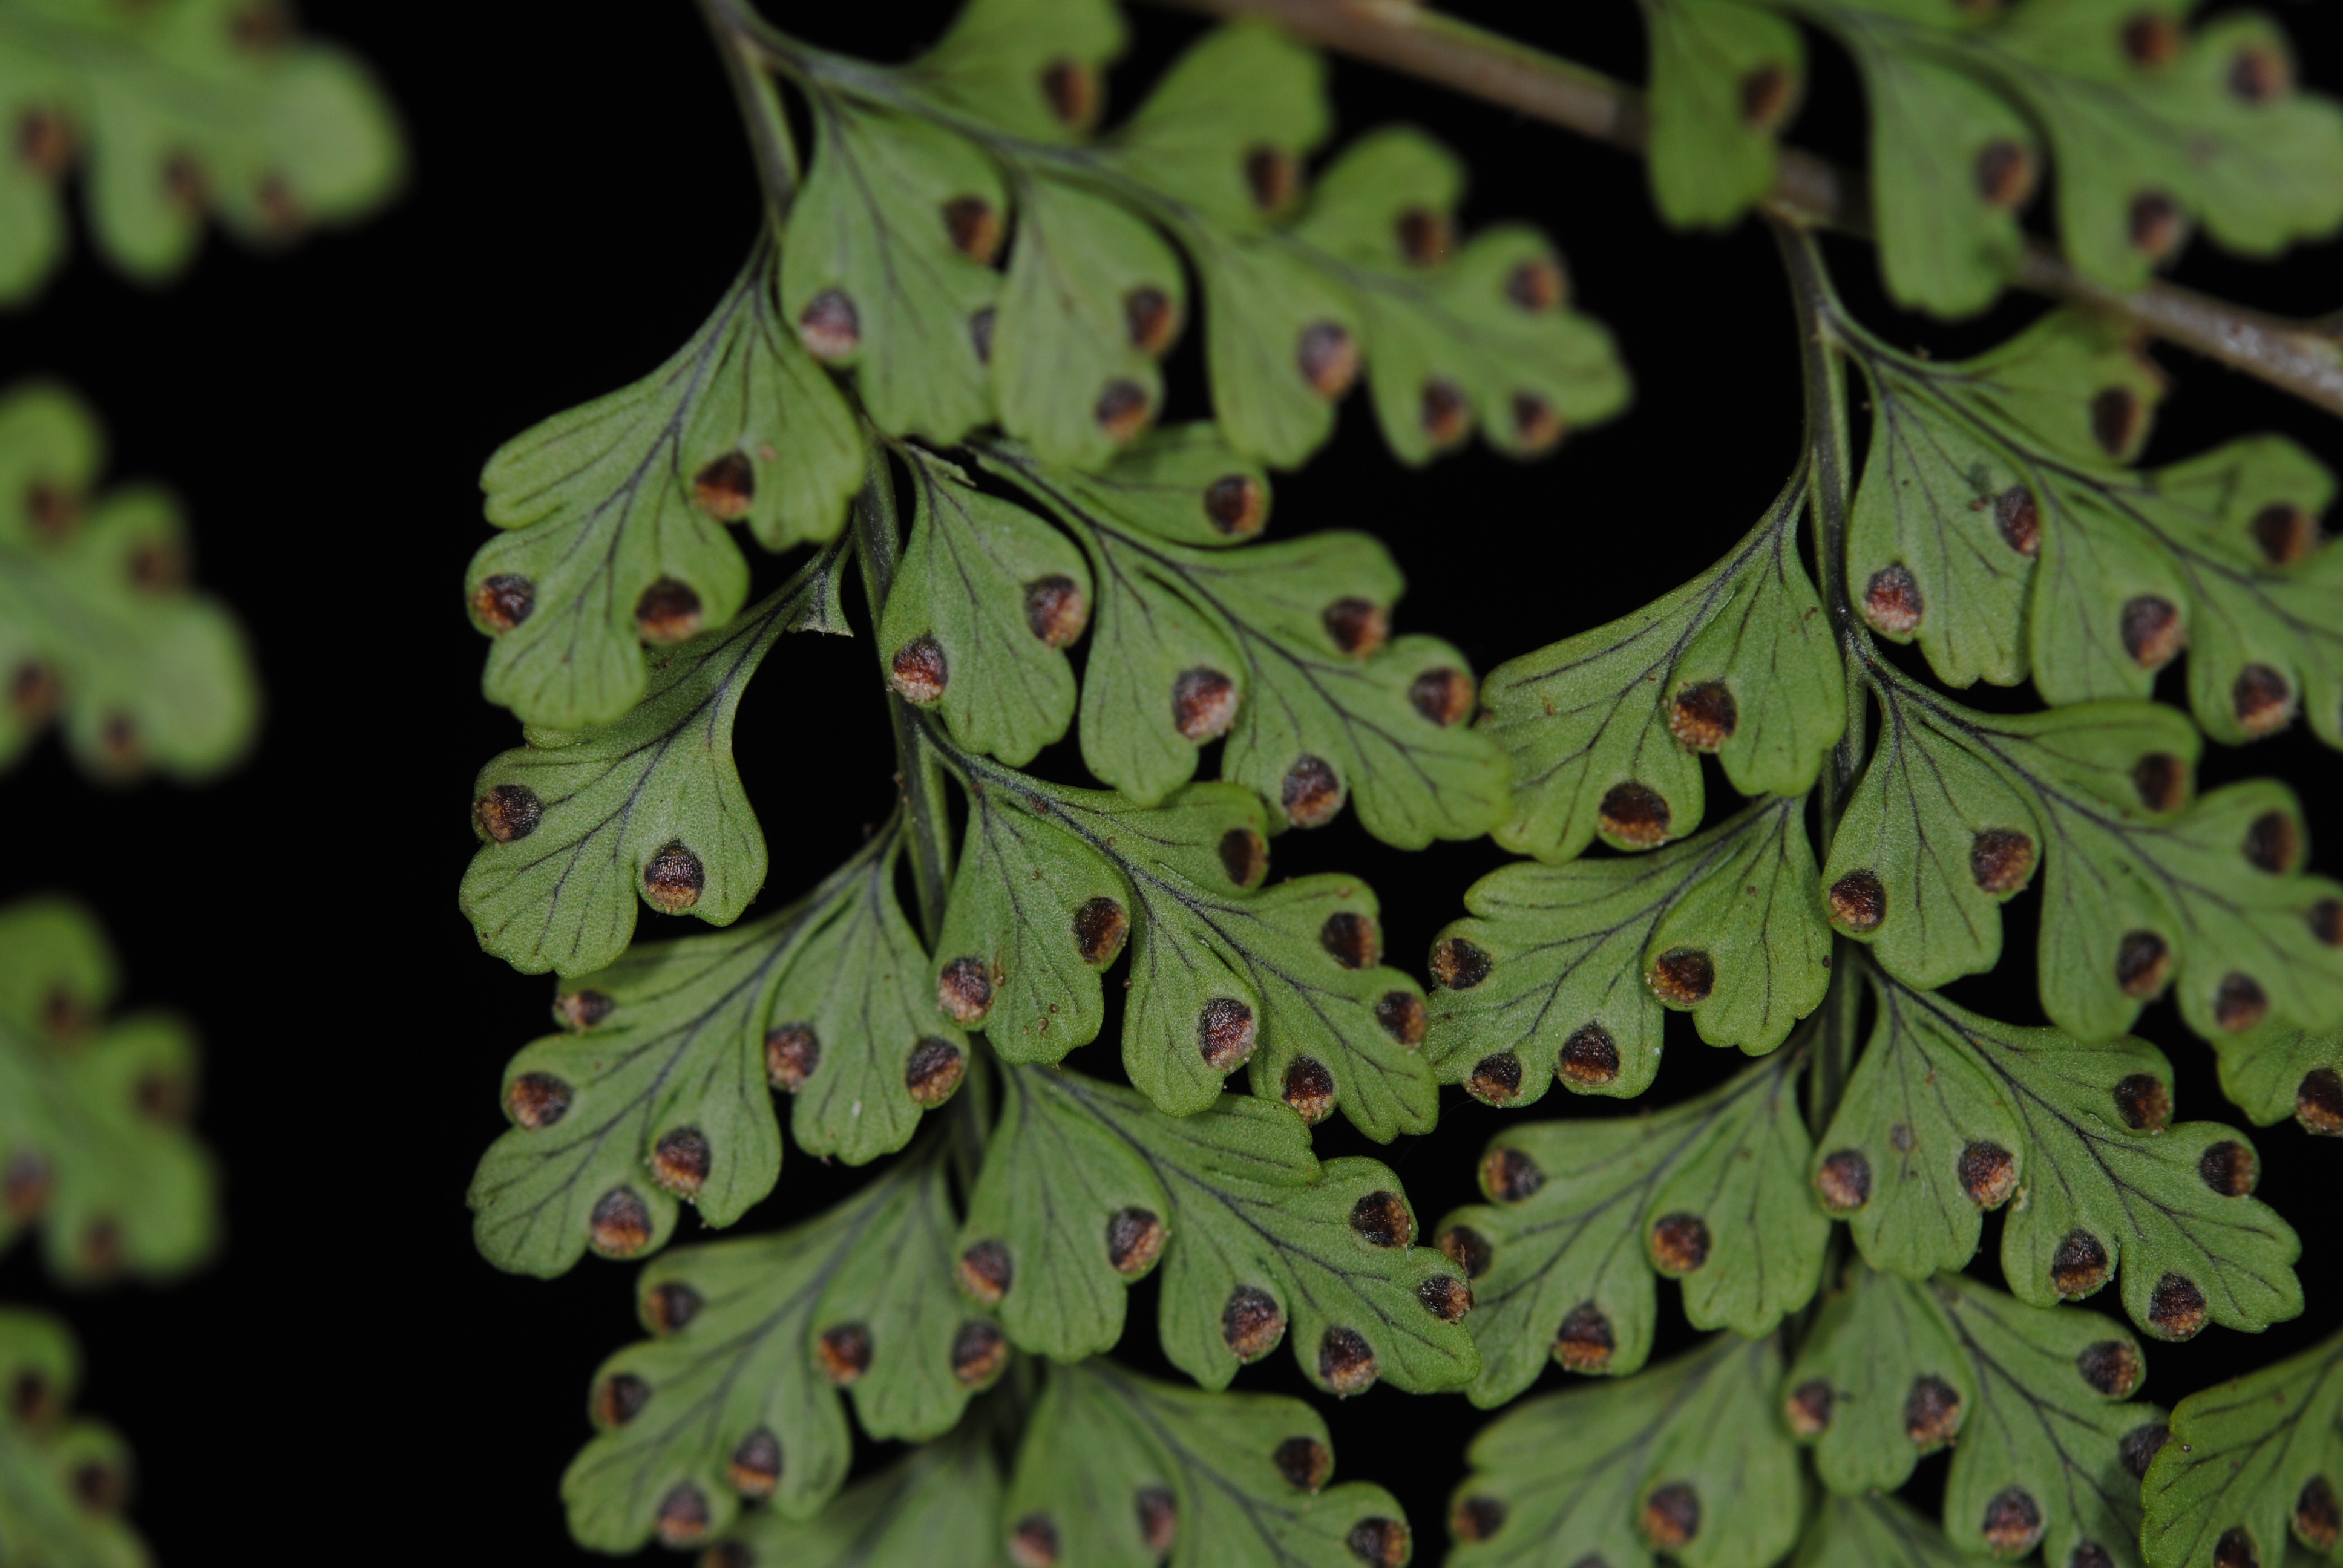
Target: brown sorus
x: 2013, y: 1521
x: 974, y: 227
x: 964, y: 992
x: 2001, y: 860
x: 1100, y: 927
x: 2324, y: 919
x: 1381, y: 1219
x: 33, y: 691
x: 1858, y: 902
x: 1844, y: 1180
x: 1537, y: 283
x: 538, y: 1100
x: 2004, y: 175
x: 1891, y: 600
x: 45, y: 143
x: 1056, y: 610
x: 1123, y: 408
x: 980, y: 333
x: 2116, y: 415
x: 1584, y: 1342
x: 1310, y: 1090
x: 1204, y: 702
x: 2155, y: 223
x: 1158, y: 1518
x: 503, y: 601
x: 934, y: 1070
x: 1379, y: 1542
x: 2152, y: 39
x: 2143, y: 1101
x: 1071, y: 90
x: 673, y: 880
x: 1273, y: 175
x: 506, y: 813
x: 683, y: 1517
x: 1458, y: 964
x: 619, y: 1398
x: 755, y: 1467
x: 25, y: 1187
x: 2273, y: 842
x: 2143, y: 959
x: 1703, y: 716
x: 2079, y: 1266
x: 1310, y: 793
x: 1353, y: 939
x: 1442, y: 696
x: 1357, y: 625
x: 1446, y: 417
x: 725, y: 487
x: 979, y: 1352
x: 1589, y: 1059
x: 1245, y: 856
x: 32, y: 1399
x: 1426, y: 237
x: 583, y: 1009
x: 2239, y: 1002
x: 1932, y: 1411
x: 2235, y: 1549
x: 2228, y: 1168
x: 2262, y: 699
x: 2161, y: 780
x: 2139, y: 1446
x: 620, y: 1225
x: 2260, y: 74
x: 1467, y: 1249
x: 1671, y: 1515
x: 1988, y: 1174
x: 845, y: 1353
x: 1476, y: 1518
x: 670, y: 1306
x: 2285, y: 534
x: 792, y: 1051
x: 668, y: 612
x: 2319, y: 1103
x: 1509, y: 1176
x: 682, y: 1160
x: 1251, y: 1323
x: 1810, y: 1407
x: 1303, y: 1462
x: 1149, y: 318
x: 2151, y: 629
x: 1537, y: 424
x: 918, y: 671
x: 1236, y: 504
x: 830, y: 327
x: 1496, y: 1079
x: 2020, y: 523
x: 1033, y: 1542
x: 985, y: 1271
x: 1403, y: 1017
x: 1765, y: 96
x: 2111, y: 1367
x: 1225, y: 1032
x: 2318, y: 1514
x: 1346, y: 1362
x: 1633, y: 814
x: 1682, y: 977
x: 1328, y: 357
x: 1135, y: 1240
x: 1680, y: 1243
x: 1445, y: 1297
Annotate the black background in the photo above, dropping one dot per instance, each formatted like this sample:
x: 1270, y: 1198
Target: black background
x: 349, y: 1380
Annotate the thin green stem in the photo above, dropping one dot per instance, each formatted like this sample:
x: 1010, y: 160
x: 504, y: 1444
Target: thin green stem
x: 918, y: 775
x: 1830, y: 446
x: 759, y: 102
